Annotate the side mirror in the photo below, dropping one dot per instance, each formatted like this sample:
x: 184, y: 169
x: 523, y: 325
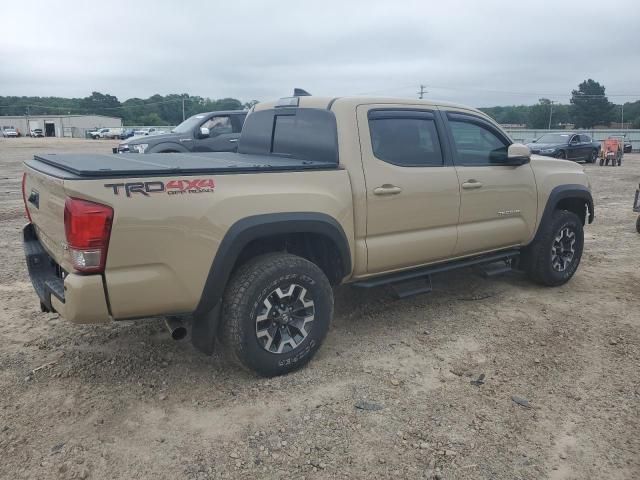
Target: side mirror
x: 204, y: 132
x: 518, y: 154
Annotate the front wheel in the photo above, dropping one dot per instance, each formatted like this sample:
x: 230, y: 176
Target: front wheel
x: 276, y: 313
x: 561, y: 155
x: 555, y: 254
x: 593, y: 156
x: 638, y: 224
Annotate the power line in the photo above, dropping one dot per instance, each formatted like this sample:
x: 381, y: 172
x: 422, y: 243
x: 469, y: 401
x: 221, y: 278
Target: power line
x: 532, y: 93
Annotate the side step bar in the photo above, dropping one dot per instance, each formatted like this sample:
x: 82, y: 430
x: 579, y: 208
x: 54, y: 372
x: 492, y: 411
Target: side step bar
x: 418, y: 280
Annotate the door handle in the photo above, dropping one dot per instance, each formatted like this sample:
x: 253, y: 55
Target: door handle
x: 387, y: 189
x: 471, y: 184
x: 233, y: 140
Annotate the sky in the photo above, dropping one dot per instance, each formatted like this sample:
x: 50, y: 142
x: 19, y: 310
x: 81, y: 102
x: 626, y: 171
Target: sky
x: 481, y: 53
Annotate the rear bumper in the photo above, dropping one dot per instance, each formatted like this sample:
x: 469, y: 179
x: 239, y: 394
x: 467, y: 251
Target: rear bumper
x: 77, y: 298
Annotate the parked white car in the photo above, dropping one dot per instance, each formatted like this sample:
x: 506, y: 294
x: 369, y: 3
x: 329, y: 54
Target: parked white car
x: 9, y: 132
x: 110, y: 133
x: 148, y: 131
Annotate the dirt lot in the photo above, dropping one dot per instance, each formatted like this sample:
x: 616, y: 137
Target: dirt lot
x: 125, y: 401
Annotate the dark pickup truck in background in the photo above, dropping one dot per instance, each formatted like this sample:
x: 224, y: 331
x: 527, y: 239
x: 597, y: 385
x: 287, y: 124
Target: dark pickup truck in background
x: 567, y: 145
x: 204, y: 132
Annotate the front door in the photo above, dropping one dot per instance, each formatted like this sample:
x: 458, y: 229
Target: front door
x: 413, y: 196
x: 498, y: 202
x: 223, y: 135
x: 574, y: 152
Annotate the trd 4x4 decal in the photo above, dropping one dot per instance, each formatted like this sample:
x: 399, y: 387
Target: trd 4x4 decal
x: 172, y: 187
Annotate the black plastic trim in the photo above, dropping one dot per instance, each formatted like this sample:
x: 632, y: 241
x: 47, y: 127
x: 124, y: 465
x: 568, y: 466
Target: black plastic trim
x: 158, y: 148
x: 437, y: 268
x: 251, y: 228
x: 562, y: 192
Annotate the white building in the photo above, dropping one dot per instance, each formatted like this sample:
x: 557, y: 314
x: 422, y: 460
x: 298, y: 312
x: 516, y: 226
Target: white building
x: 59, y: 125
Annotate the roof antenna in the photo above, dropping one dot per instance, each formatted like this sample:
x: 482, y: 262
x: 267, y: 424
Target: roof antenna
x: 299, y: 92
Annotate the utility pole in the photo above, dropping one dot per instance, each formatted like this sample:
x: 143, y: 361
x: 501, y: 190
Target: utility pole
x: 422, y: 92
x: 183, y: 108
x: 551, y: 102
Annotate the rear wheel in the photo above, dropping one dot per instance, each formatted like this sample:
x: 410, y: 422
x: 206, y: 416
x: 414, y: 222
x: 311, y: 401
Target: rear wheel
x: 276, y: 313
x: 555, y: 254
x: 638, y: 224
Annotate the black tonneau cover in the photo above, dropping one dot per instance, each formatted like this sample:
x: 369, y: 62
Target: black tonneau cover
x: 160, y: 164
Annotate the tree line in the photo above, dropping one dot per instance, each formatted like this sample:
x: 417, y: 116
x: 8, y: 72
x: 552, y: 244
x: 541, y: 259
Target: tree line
x: 155, y: 110
x: 588, y: 107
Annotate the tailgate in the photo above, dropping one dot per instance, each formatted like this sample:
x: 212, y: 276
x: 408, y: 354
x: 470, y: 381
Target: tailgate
x: 44, y: 198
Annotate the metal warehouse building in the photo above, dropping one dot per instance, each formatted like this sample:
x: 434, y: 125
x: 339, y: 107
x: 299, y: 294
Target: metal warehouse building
x: 59, y: 125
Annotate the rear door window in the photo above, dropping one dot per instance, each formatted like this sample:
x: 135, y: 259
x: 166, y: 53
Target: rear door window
x: 405, y: 138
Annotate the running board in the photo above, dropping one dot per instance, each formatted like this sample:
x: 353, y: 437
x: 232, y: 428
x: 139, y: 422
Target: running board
x: 409, y: 288
x: 488, y: 270
x: 417, y: 273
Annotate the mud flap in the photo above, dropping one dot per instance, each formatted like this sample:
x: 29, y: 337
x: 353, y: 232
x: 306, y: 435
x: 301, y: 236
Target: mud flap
x: 204, y: 329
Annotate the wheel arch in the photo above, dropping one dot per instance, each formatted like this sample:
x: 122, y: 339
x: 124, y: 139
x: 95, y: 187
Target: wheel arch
x: 259, y: 234
x: 575, y: 198
x: 165, y: 146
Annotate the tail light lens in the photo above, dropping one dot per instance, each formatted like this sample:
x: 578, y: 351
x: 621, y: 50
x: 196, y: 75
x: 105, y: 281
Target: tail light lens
x: 24, y: 196
x: 87, y: 227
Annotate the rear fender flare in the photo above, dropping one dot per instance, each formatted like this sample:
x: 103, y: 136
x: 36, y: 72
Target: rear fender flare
x: 207, y: 314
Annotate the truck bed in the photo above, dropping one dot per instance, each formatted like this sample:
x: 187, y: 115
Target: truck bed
x: 76, y: 166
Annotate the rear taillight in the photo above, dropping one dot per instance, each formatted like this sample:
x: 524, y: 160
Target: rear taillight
x: 87, y: 226
x: 24, y: 196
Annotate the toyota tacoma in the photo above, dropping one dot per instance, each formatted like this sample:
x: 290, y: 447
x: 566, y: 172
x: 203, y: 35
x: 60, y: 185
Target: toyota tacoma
x: 322, y: 191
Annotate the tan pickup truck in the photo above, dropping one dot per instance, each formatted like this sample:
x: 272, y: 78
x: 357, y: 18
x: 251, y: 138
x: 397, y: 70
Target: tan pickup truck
x: 322, y: 191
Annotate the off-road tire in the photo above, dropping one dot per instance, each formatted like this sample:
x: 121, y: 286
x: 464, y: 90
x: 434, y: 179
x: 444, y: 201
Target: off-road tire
x: 537, y: 257
x: 245, y: 294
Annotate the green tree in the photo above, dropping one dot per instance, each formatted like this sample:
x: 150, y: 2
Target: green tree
x: 590, y: 106
x: 539, y: 114
x: 152, y: 119
x: 101, y: 104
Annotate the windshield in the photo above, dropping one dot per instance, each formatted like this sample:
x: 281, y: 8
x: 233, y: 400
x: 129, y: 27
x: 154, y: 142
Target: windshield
x: 554, y: 138
x: 189, y: 124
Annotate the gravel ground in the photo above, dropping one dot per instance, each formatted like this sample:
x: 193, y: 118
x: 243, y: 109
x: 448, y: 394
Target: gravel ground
x: 125, y: 401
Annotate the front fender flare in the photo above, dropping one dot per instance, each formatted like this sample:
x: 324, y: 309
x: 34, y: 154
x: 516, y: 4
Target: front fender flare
x: 167, y: 146
x: 562, y: 192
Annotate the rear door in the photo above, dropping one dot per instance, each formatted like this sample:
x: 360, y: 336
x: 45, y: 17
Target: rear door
x: 498, y: 204
x: 223, y: 135
x: 413, y: 196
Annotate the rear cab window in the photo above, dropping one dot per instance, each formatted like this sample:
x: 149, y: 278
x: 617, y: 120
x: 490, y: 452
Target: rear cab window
x: 301, y: 133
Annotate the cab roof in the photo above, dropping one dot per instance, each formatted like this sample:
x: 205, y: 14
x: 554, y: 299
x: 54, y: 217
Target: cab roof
x: 329, y: 102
